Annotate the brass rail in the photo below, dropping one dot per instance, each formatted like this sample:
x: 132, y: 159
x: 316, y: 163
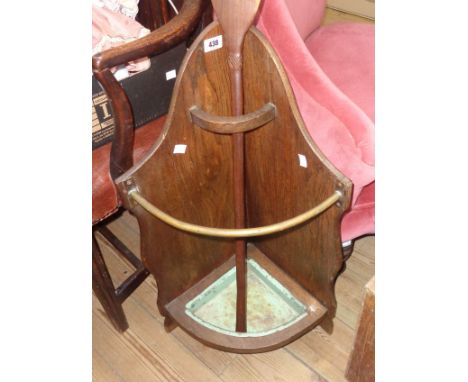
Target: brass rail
x: 234, y: 233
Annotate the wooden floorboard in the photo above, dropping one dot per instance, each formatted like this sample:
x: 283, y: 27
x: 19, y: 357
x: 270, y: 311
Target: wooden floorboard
x: 158, y: 347
x: 102, y: 369
x: 145, y: 352
x: 278, y: 365
x: 122, y: 357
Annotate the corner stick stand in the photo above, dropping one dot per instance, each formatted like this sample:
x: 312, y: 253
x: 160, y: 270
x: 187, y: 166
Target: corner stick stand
x: 235, y: 163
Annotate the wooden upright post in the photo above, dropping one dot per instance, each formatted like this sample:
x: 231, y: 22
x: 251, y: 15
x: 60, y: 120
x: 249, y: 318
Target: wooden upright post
x: 236, y: 17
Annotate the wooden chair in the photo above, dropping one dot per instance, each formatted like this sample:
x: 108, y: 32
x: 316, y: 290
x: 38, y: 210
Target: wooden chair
x: 239, y: 211
x: 128, y: 145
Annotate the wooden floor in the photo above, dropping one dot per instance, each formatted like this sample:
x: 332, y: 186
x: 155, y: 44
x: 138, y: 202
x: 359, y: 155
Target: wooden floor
x: 147, y: 353
x: 332, y: 15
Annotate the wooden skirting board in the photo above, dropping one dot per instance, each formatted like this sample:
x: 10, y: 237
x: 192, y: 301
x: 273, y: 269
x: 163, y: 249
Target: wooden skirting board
x: 363, y: 8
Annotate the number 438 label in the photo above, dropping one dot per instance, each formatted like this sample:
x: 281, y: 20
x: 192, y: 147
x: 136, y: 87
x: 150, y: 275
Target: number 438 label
x: 213, y: 43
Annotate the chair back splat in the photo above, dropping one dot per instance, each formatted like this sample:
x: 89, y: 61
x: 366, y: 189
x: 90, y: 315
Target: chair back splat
x: 239, y: 211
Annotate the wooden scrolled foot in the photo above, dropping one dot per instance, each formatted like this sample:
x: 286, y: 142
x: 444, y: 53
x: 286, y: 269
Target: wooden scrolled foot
x: 169, y: 324
x: 327, y: 325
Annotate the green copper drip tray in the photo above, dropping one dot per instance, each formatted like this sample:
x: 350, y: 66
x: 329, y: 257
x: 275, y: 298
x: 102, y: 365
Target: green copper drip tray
x: 270, y: 306
x: 278, y: 308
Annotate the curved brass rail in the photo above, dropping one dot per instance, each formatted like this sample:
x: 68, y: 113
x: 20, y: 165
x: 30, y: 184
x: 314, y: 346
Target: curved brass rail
x: 234, y: 233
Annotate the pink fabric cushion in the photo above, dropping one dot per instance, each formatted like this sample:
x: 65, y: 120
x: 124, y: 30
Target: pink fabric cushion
x: 340, y: 128
x: 361, y: 219
x: 345, y: 52
x: 306, y: 14
x: 337, y: 108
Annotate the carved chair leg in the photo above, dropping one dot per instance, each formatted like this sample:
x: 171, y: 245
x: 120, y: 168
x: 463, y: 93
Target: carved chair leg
x: 105, y: 291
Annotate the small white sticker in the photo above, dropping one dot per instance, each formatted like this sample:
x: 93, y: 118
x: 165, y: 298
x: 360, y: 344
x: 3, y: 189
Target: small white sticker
x: 121, y: 73
x: 171, y: 74
x: 213, y: 43
x: 180, y: 149
x: 302, y: 160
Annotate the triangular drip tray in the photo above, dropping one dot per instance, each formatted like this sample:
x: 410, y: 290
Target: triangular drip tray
x: 278, y: 308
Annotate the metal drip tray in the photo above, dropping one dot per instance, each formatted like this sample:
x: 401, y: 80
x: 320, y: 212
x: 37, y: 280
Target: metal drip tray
x: 278, y: 308
x: 270, y: 306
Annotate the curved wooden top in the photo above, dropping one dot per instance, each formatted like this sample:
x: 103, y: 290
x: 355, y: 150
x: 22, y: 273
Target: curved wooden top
x: 232, y: 125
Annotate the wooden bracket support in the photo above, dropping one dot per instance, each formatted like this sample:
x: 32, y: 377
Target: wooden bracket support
x: 232, y: 125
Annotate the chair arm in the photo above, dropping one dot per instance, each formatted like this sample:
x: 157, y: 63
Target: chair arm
x: 158, y: 41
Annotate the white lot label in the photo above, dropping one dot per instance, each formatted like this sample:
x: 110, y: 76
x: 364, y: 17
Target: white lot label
x: 213, y: 43
x: 180, y: 149
x: 302, y: 160
x: 171, y: 74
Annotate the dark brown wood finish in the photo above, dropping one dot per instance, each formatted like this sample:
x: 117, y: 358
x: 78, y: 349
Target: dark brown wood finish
x: 278, y: 187
x: 235, y: 18
x: 165, y: 12
x: 160, y: 40
x: 121, y: 156
x: 104, y: 290
x: 196, y: 186
x: 110, y: 297
x: 232, y: 125
x: 119, y: 246
x: 248, y: 344
x: 150, y: 14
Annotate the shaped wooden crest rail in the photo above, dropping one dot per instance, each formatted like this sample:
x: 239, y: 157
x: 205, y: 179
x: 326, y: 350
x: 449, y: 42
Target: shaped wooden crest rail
x: 235, y: 158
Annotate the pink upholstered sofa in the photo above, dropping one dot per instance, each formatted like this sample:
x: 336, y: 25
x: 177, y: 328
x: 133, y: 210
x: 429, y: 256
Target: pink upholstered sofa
x: 331, y: 70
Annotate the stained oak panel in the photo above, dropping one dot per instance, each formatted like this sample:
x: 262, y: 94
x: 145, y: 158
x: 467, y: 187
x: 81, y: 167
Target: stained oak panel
x: 188, y: 174
x: 287, y: 175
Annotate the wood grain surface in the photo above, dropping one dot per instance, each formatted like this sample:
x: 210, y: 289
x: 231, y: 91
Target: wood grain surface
x: 198, y: 186
x: 280, y: 185
x: 361, y: 365
x: 317, y: 356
